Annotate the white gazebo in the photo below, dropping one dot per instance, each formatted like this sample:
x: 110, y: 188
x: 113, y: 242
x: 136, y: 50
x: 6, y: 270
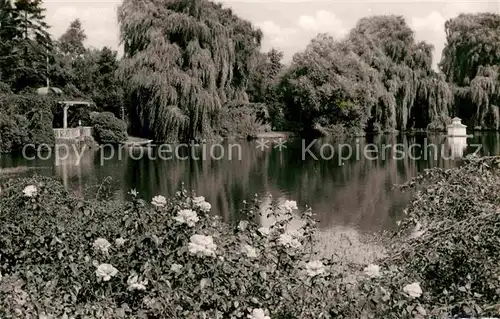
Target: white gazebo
x: 72, y: 133
x: 66, y: 105
x: 456, y: 128
x: 49, y: 89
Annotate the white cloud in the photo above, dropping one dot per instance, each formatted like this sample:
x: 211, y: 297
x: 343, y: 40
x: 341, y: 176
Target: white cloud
x: 434, y: 21
x: 430, y: 28
x: 323, y: 21
x: 281, y: 38
x: 276, y: 35
x: 294, y: 39
x: 288, y: 25
x: 454, y: 9
x: 98, y: 21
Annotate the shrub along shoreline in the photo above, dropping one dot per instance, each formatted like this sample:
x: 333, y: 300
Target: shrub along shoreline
x: 27, y: 120
x: 70, y: 257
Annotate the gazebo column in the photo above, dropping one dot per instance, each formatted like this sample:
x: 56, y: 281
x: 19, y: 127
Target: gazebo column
x: 65, y: 116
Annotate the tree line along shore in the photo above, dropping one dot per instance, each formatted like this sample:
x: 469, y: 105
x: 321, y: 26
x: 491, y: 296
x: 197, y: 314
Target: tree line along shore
x: 194, y: 70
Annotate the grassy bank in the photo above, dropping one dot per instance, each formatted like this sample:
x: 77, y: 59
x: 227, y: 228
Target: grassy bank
x: 63, y: 256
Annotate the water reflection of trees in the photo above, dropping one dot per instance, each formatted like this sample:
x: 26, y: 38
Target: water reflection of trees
x: 357, y: 192
x: 224, y: 183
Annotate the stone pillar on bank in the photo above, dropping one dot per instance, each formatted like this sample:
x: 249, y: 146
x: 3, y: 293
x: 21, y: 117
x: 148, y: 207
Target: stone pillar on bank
x: 65, y: 116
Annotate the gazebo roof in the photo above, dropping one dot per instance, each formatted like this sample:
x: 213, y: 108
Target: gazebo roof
x: 456, y: 123
x: 45, y: 90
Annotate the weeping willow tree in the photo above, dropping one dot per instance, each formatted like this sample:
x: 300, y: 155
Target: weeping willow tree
x: 377, y: 79
x: 414, y: 96
x: 470, y: 62
x: 184, y: 59
x: 485, y: 93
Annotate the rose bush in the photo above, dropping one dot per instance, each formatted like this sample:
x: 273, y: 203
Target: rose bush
x: 64, y: 256
x: 67, y: 256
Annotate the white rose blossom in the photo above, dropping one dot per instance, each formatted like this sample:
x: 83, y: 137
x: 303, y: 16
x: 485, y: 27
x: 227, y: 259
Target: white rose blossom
x: 204, y: 282
x: 30, y: 191
x: 102, y: 245
x: 203, y: 205
x: 106, y: 271
x: 133, y: 192
x: 201, y: 245
x: 198, y: 199
x: 159, y: 201
x: 290, y: 205
x: 249, y: 251
x: 258, y: 314
x: 372, y: 271
x: 290, y: 240
x: 315, y: 268
x: 135, y: 284
x: 187, y: 216
x: 242, y: 225
x: 176, y: 268
x: 120, y: 241
x: 265, y: 231
x: 413, y: 290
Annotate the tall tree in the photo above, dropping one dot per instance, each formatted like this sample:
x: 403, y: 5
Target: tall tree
x: 414, y: 95
x: 472, y: 40
x: 267, y: 67
x: 31, y: 21
x: 376, y: 79
x: 275, y: 57
x: 108, y: 94
x: 71, y: 60
x: 87, y: 73
x: 8, y: 33
x: 328, y: 86
x: 263, y: 87
x: 31, y: 43
x: 183, y: 60
x: 71, y: 42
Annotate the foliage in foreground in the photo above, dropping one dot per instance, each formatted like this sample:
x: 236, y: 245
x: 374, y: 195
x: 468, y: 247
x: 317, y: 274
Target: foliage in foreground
x: 83, y: 258
x: 454, y: 225
x: 174, y: 260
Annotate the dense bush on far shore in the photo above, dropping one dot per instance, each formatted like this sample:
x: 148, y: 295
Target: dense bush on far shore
x: 108, y: 129
x: 173, y: 258
x: 243, y: 120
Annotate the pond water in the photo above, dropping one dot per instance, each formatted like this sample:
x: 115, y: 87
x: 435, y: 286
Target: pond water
x: 345, y: 191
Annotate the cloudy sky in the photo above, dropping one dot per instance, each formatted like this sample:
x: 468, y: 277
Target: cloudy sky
x: 288, y: 24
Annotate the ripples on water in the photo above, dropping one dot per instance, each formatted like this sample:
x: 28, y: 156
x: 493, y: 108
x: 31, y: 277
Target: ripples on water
x: 355, y: 193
